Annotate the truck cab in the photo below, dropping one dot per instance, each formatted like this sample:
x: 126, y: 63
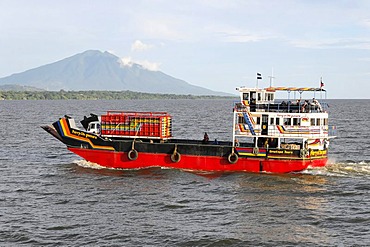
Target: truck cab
x: 94, y: 127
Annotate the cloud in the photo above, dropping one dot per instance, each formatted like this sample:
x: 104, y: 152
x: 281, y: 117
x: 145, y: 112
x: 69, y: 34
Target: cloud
x: 149, y: 65
x: 126, y: 61
x: 129, y: 62
x: 140, y: 46
x: 162, y: 27
x: 242, y: 37
x: 227, y: 33
x: 366, y: 23
x: 355, y: 43
x: 364, y: 59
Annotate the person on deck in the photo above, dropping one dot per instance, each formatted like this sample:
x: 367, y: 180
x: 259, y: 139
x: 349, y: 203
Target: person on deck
x: 317, y: 104
x: 205, y: 138
x: 305, y: 106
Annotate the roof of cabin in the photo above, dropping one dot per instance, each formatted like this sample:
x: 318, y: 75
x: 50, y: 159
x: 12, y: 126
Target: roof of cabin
x: 273, y: 89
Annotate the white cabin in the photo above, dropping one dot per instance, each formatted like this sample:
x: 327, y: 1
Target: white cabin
x: 279, y: 123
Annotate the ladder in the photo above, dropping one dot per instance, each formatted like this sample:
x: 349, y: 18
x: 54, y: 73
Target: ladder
x: 248, y: 121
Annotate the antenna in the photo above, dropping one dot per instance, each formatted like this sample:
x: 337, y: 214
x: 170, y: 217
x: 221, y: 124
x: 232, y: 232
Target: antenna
x: 271, y: 76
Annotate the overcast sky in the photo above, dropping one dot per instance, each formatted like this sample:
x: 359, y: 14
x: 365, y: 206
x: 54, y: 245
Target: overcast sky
x: 214, y: 44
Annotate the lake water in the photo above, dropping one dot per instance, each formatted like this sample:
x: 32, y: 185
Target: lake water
x: 50, y: 197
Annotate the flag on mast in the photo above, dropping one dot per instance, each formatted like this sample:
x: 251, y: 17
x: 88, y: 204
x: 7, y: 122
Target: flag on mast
x: 321, y: 83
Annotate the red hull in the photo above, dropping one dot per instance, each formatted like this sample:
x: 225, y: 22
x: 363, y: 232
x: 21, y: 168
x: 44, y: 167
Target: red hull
x: 112, y: 159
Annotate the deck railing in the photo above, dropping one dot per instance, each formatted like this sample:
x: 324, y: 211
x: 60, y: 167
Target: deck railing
x: 283, y: 107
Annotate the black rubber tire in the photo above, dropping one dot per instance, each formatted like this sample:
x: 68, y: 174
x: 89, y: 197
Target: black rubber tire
x: 176, y: 157
x: 132, y: 154
x: 232, y: 158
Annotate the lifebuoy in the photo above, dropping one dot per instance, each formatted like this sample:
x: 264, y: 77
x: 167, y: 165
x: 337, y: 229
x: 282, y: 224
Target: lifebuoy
x: 132, y: 154
x: 255, y: 150
x: 232, y: 158
x: 175, y: 157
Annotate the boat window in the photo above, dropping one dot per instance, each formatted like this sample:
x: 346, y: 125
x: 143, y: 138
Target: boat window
x: 272, y: 120
x: 241, y: 119
x: 318, y: 122
x: 277, y: 120
x: 253, y: 96
x: 258, y: 120
x: 287, y: 121
x: 259, y: 96
x: 313, y: 121
x: 245, y: 96
x: 325, y: 121
x: 296, y: 121
x: 269, y: 96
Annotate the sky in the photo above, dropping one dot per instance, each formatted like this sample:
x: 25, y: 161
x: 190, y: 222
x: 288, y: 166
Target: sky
x: 217, y: 44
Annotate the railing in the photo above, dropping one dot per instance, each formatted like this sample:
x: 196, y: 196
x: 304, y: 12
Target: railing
x: 238, y: 106
x: 284, y: 107
x: 273, y: 133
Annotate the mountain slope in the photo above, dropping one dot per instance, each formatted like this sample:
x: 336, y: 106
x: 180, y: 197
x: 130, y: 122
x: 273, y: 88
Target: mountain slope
x: 95, y: 70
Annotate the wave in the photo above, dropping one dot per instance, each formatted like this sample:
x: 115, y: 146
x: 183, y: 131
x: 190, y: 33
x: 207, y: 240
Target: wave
x: 342, y: 168
x: 96, y: 166
x: 88, y: 164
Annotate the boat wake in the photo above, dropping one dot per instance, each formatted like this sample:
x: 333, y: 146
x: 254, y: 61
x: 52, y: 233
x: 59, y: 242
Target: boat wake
x: 92, y: 165
x: 88, y: 164
x: 341, y: 169
x: 336, y: 169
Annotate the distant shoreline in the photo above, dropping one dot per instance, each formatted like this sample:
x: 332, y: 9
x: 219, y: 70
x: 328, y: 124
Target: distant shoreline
x: 97, y: 95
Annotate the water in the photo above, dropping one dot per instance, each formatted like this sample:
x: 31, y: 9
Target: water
x: 50, y: 197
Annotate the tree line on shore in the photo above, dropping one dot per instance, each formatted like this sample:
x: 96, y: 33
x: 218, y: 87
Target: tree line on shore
x: 95, y: 95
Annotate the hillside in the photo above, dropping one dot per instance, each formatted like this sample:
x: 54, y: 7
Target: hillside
x: 96, y: 70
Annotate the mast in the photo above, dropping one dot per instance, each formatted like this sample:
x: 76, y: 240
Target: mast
x: 259, y: 77
x: 271, y: 76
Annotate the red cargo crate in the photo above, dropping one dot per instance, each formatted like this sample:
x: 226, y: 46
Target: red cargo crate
x: 137, y: 124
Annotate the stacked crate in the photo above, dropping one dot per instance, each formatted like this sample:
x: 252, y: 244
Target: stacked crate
x: 156, y: 125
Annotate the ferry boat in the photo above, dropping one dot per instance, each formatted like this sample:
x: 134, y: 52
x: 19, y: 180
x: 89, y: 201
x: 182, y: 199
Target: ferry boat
x: 269, y: 135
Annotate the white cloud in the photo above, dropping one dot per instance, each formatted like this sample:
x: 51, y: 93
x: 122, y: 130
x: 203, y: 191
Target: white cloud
x: 355, y: 43
x: 163, y: 28
x: 140, y: 46
x: 364, y: 59
x: 126, y: 61
x: 366, y: 23
x: 129, y: 62
x: 242, y: 37
x: 149, y: 65
x: 231, y: 34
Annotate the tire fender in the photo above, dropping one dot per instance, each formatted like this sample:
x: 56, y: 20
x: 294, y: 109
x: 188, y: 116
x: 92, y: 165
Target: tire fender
x: 132, y: 154
x: 232, y: 158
